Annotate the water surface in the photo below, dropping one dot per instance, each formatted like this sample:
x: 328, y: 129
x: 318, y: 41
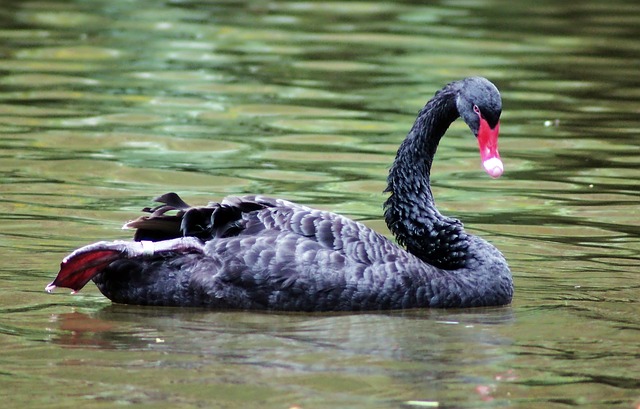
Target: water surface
x: 107, y: 104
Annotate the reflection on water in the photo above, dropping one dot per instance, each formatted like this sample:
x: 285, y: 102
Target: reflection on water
x: 304, y: 354
x: 106, y: 104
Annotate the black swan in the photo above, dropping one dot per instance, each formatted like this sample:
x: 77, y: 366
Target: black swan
x: 258, y: 253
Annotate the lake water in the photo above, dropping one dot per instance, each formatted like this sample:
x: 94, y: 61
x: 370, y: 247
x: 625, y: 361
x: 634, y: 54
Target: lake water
x: 107, y: 104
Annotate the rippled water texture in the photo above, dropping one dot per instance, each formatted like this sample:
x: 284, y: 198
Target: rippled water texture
x: 106, y: 104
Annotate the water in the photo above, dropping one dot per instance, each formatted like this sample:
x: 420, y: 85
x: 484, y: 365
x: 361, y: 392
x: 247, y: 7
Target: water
x: 106, y: 104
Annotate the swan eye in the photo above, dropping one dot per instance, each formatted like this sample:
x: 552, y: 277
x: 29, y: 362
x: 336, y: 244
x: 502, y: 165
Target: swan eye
x: 476, y: 109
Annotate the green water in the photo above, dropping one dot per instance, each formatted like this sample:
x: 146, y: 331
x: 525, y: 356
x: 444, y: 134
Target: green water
x: 107, y: 104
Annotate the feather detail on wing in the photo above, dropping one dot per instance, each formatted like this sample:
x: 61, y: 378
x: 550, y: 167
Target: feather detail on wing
x: 250, y: 215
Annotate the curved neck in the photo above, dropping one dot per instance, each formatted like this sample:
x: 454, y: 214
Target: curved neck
x: 410, y: 211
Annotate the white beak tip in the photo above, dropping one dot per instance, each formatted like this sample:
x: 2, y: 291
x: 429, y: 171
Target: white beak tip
x: 493, y: 166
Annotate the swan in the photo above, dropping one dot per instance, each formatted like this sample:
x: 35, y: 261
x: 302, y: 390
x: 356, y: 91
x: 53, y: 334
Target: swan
x: 260, y: 253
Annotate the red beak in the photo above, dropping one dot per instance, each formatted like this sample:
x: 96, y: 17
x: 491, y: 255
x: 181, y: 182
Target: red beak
x: 488, y: 142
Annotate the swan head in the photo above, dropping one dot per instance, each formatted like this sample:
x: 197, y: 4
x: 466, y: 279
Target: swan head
x: 479, y: 104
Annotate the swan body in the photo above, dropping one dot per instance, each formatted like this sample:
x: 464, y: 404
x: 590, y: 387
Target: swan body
x: 260, y: 253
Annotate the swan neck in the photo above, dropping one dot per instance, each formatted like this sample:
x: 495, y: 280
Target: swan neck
x: 410, y: 211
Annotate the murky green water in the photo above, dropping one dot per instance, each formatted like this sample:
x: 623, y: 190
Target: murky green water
x: 106, y: 104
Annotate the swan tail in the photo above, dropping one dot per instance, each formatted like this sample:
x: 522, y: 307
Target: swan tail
x: 83, y: 264
x: 79, y: 267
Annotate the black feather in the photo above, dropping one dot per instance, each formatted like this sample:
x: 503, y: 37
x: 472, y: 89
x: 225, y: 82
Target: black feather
x: 255, y: 252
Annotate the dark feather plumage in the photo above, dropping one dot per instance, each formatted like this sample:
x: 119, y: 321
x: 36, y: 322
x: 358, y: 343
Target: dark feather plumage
x: 254, y: 252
